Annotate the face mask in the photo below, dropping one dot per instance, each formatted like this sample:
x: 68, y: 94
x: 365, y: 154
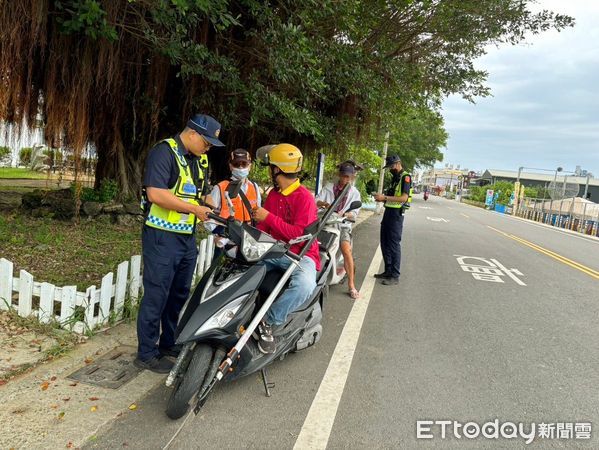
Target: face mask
x: 240, y: 173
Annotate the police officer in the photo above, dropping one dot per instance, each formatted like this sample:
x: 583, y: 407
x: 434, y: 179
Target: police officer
x: 397, y: 200
x: 174, y: 189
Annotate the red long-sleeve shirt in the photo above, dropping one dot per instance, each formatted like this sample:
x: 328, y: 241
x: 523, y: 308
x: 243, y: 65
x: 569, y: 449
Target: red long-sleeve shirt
x: 291, y: 211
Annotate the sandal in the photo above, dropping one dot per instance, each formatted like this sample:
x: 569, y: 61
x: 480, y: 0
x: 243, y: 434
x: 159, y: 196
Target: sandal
x: 353, y: 293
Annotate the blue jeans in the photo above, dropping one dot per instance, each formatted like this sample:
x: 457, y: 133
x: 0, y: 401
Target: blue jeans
x: 300, y: 287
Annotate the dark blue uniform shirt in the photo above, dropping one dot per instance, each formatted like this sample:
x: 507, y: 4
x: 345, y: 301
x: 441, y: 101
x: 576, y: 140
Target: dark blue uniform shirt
x: 162, y: 170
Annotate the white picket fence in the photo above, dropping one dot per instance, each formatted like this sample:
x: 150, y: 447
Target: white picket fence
x: 42, y: 300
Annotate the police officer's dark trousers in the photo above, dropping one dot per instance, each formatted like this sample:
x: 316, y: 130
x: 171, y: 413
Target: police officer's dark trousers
x: 391, y: 230
x: 169, y: 261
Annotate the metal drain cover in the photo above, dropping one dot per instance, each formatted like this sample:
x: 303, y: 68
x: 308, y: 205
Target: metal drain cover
x: 111, y: 370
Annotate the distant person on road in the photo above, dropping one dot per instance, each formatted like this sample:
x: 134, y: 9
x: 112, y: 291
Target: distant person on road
x: 397, y: 199
x: 173, y: 200
x: 328, y: 194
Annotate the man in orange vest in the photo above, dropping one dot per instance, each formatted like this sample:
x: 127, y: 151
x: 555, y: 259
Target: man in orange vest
x: 239, y: 190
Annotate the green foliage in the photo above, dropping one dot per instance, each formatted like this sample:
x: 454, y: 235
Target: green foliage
x: 25, y: 156
x: 4, y: 152
x: 54, y: 156
x: 107, y: 192
x: 504, y: 188
x: 323, y: 74
x: 84, y: 16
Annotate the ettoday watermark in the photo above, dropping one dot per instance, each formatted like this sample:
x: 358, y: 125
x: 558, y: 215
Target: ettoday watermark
x: 431, y: 429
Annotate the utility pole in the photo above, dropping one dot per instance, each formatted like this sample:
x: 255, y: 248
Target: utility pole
x: 586, y: 187
x: 379, y: 206
x: 384, y: 156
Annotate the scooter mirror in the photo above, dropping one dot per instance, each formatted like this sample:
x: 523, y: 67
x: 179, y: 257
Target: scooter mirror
x: 355, y: 205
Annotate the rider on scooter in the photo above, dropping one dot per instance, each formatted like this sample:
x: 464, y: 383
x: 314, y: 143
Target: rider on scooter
x: 347, y: 174
x: 288, y: 210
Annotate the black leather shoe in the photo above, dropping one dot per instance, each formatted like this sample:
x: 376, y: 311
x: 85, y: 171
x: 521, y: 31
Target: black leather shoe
x: 382, y: 275
x: 391, y: 281
x: 158, y: 365
x: 171, y: 352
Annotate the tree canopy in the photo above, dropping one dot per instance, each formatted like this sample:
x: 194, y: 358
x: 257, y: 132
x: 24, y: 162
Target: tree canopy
x: 120, y: 74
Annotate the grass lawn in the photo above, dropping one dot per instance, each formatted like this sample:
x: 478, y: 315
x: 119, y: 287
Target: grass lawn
x: 64, y: 253
x: 15, y: 172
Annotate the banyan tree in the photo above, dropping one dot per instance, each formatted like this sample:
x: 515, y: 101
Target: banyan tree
x: 121, y: 74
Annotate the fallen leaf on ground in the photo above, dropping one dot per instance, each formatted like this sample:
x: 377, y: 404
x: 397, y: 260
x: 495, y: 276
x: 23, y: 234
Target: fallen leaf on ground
x: 45, y: 385
x: 60, y: 415
x: 69, y: 445
x: 88, y: 360
x: 53, y: 406
x: 53, y: 379
x: 73, y: 384
x: 93, y: 399
x: 93, y: 408
x: 132, y: 406
x: 3, y: 382
x: 66, y: 399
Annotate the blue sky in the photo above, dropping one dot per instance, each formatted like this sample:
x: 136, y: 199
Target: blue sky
x: 544, y: 111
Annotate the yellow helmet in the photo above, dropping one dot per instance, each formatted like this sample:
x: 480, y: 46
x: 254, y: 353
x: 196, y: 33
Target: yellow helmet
x: 286, y: 157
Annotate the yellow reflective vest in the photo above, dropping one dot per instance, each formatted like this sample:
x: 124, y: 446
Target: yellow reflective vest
x: 185, y: 189
x: 395, y: 191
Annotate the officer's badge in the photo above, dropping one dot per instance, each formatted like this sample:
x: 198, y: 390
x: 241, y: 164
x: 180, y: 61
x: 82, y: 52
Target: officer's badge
x: 217, y: 132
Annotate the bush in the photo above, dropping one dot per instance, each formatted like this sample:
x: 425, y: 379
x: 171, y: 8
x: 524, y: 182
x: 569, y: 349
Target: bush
x: 25, y: 156
x: 108, y: 191
x: 4, y: 152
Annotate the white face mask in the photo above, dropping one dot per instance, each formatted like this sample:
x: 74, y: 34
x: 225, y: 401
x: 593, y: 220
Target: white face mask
x: 240, y: 173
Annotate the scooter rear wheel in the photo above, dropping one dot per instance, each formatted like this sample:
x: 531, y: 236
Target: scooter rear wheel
x: 190, y: 383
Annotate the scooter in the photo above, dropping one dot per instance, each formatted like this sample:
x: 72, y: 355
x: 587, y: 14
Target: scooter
x: 216, y: 330
x: 329, y: 239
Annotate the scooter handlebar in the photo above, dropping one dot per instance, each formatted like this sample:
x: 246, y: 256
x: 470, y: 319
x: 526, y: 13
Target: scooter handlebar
x: 217, y: 218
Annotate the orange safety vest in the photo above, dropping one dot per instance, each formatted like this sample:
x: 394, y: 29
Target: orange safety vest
x: 241, y: 212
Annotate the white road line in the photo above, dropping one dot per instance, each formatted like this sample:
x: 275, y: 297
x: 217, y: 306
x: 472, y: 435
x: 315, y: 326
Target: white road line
x: 319, y: 422
x: 465, y: 215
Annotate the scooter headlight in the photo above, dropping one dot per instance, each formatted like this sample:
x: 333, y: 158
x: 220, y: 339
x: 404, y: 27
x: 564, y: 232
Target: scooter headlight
x: 223, y: 316
x: 252, y: 249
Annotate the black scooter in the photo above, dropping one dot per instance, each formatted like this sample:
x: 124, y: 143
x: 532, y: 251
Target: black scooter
x: 216, y: 330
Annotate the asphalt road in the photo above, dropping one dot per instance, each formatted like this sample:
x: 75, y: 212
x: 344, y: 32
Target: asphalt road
x: 443, y: 345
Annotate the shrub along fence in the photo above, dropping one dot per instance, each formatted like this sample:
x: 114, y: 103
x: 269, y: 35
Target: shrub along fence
x: 83, y: 311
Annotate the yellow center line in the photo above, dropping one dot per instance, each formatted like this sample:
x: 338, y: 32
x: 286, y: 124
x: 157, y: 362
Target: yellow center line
x: 576, y: 265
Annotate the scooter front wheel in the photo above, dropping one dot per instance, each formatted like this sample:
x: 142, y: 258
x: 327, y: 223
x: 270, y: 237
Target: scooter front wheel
x: 190, y: 383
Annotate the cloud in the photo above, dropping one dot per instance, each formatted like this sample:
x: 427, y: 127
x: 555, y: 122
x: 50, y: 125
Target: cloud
x: 545, y: 106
